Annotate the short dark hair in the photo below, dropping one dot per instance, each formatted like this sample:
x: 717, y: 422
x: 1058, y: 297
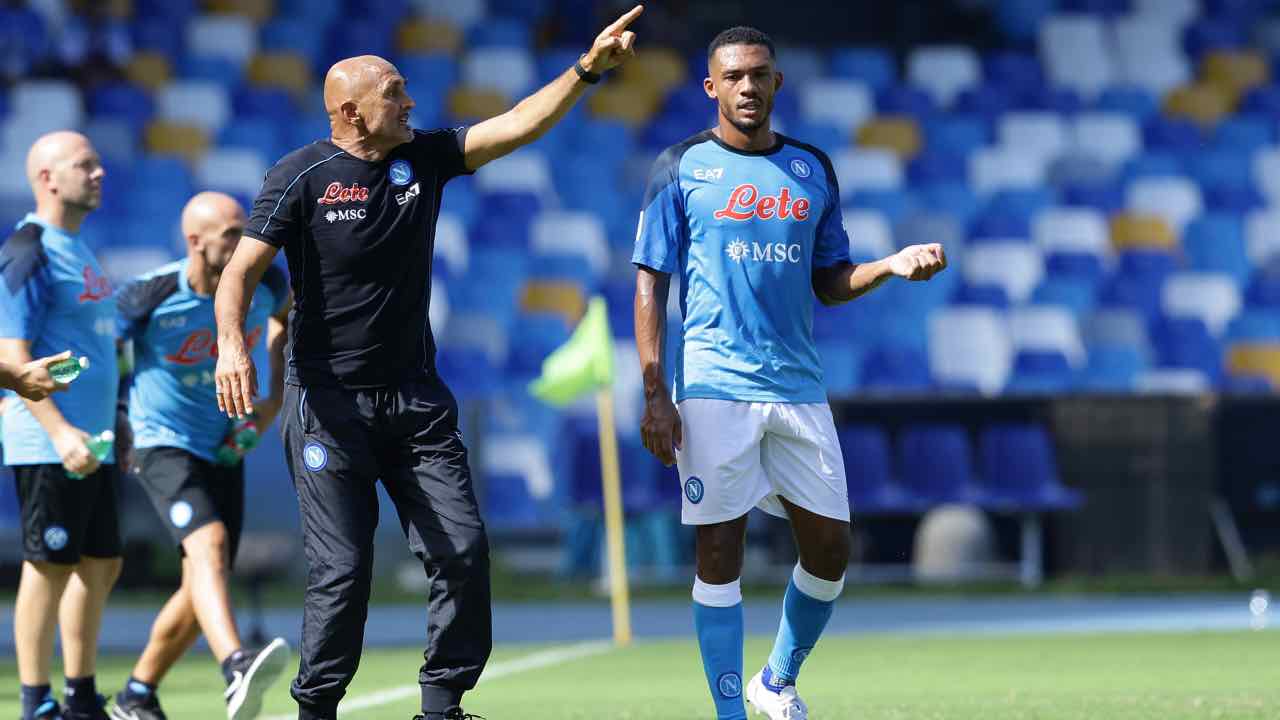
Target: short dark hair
x: 740, y: 35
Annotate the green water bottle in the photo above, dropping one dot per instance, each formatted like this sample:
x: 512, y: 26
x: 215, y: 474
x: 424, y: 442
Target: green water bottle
x: 64, y: 371
x: 100, y: 446
x: 244, y: 436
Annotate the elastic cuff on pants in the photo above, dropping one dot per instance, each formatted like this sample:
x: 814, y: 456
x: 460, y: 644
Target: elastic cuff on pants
x: 436, y: 699
x: 306, y: 713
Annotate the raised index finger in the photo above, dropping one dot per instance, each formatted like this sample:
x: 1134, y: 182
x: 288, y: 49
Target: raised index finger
x: 621, y: 23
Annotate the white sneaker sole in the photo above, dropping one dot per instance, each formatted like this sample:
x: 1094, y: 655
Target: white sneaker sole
x: 261, y: 675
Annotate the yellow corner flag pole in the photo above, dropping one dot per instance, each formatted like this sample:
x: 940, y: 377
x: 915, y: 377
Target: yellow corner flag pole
x: 581, y: 365
x: 611, y: 476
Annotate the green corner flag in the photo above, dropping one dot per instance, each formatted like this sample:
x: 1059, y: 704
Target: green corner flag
x: 583, y: 364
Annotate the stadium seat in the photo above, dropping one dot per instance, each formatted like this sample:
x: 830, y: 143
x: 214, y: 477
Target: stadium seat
x: 1018, y: 267
x: 1015, y: 71
x: 1173, y: 381
x: 1044, y: 134
x: 1073, y: 294
x: 969, y: 346
x: 1266, y: 173
x: 937, y: 166
x: 1256, y: 359
x: 1127, y: 100
x: 930, y: 226
x: 1076, y: 53
x: 420, y: 35
x: 951, y: 199
x: 1262, y: 236
x: 1185, y: 342
x: 1253, y: 325
x: 553, y: 297
x: 1075, y: 230
x: 1004, y: 168
x: 524, y: 171
x: 659, y: 69
x: 1174, y: 12
x: 462, y: 13
x: 870, y: 235
x: 1245, y: 132
x: 236, y: 171
x: 1148, y: 54
x: 1201, y: 103
x: 51, y: 104
x: 451, y: 244
x: 166, y: 138
x: 1133, y: 231
x: 1116, y: 327
x: 841, y: 372
x: 533, y: 338
x: 1110, y: 137
x: 1174, y: 199
x: 518, y: 478
x: 896, y: 370
x: 510, y: 71
x: 476, y: 104
x: 198, y: 104
x: 992, y: 296
x: 985, y: 102
x: 302, y: 34
x: 1215, y: 242
x: 936, y: 464
x: 873, y: 67
x: 572, y: 233
x: 843, y: 103
x: 869, y: 467
x: 1236, y: 72
x: 867, y: 169
x: 956, y: 133
x: 944, y: 71
x: 906, y: 100
x: 228, y: 37
x: 1214, y: 298
x: 1112, y: 368
x: 114, y: 139
x: 1042, y: 328
x: 1216, y: 168
x: 286, y: 70
x: 897, y: 134
x: 148, y: 70
x: 1019, y: 471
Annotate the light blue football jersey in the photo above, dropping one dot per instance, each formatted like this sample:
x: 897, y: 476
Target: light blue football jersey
x: 743, y: 231
x: 54, y: 294
x: 173, y: 402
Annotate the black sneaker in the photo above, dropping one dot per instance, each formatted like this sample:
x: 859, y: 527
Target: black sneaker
x: 99, y: 712
x: 251, y: 676
x: 453, y: 713
x: 133, y: 707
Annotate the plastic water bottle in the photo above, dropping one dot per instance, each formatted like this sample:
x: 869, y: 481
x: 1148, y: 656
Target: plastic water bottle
x: 243, y: 437
x: 1259, y: 609
x: 64, y: 371
x: 100, y: 446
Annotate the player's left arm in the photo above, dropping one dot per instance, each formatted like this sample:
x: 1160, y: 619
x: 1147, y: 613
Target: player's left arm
x: 532, y: 117
x: 840, y: 283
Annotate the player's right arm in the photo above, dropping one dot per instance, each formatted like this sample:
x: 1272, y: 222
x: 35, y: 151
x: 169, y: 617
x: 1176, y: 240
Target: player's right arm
x: 32, y: 380
x: 235, y: 376
x: 68, y: 440
x: 662, y: 233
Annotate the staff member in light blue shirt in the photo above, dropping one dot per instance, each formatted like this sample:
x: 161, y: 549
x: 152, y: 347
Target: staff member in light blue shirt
x: 54, y: 297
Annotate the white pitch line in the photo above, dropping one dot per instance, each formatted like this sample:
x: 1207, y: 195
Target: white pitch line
x: 533, y: 661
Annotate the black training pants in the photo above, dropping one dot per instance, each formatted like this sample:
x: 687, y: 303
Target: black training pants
x: 338, y: 443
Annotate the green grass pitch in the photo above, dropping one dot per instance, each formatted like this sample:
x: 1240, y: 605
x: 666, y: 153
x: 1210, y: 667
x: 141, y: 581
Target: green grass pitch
x: 1102, y: 677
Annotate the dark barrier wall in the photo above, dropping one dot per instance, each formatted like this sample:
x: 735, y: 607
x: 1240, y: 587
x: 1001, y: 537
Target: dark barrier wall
x: 1148, y: 467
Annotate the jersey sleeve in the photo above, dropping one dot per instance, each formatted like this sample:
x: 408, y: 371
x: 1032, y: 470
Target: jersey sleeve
x: 277, y: 283
x: 444, y: 149
x: 277, y: 211
x: 662, y: 227
x: 136, y: 301
x: 25, y: 292
x: 831, y: 246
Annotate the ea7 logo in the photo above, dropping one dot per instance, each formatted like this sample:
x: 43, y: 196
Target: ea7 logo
x: 712, y: 174
x: 408, y: 195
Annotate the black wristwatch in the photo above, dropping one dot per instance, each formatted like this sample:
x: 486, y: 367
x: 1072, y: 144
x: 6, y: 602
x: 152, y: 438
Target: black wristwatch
x: 584, y: 74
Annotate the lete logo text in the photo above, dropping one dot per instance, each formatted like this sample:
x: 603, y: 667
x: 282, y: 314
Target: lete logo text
x: 747, y: 202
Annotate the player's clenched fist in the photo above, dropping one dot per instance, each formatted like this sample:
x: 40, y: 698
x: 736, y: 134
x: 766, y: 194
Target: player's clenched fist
x: 614, y: 45
x: 919, y: 262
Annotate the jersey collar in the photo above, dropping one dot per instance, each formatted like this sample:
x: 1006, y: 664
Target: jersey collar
x: 50, y: 231
x: 777, y: 146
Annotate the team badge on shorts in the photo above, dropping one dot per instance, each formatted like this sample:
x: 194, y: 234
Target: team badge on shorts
x: 55, y: 537
x: 801, y: 168
x: 315, y: 457
x: 401, y: 173
x: 180, y: 514
x: 693, y: 490
x: 730, y: 685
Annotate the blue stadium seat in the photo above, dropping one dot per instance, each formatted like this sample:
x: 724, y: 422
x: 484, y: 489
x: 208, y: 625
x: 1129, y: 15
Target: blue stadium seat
x: 1254, y: 325
x: 1166, y: 133
x: 172, y: 10
x: 1021, y: 21
x: 1215, y: 242
x: 992, y: 296
x: 1264, y: 290
x: 429, y: 73
x: 1153, y: 164
x: 957, y: 134
x: 1216, y: 168
x: 841, y: 369
x: 1019, y: 470
x: 391, y: 10
x: 1246, y: 385
x: 1075, y: 294
x: 936, y: 464
x: 894, y: 204
x: 303, y: 33
x: 1239, y: 200
x: 1050, y: 98
x: 1245, y: 132
x: 1138, y: 281
x: 533, y: 338
x: 1010, y: 212
x: 952, y: 198
x: 1132, y: 101
x: 938, y: 166
x: 507, y: 504
x: 501, y: 32
x: 260, y: 135
x: 1112, y: 368
x: 1038, y: 372
x: 985, y: 101
x: 1107, y: 197
x: 1082, y: 267
x: 527, y: 11
x: 122, y: 101
x: 272, y: 104
x: 868, y: 466
x: 468, y: 371
x: 1185, y: 342
x: 905, y: 100
x: 213, y: 69
x: 1014, y: 71
x: 896, y: 370
x: 873, y: 66
x: 361, y: 35
x: 1207, y: 34
x: 158, y: 34
x: 1263, y: 100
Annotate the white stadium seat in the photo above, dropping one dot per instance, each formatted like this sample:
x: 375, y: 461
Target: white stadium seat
x: 1076, y: 53
x: 1018, y: 267
x: 508, y: 70
x: 944, y: 71
x: 229, y: 37
x: 843, y: 103
x: 1174, y: 199
x: 1212, y: 297
x: 869, y: 233
x: 572, y: 233
x: 231, y: 170
x: 1072, y: 229
x: 525, y: 170
x: 1262, y: 236
x: 867, y: 169
x: 1003, y: 168
x: 1046, y: 328
x: 201, y: 104
x: 1041, y: 133
x: 970, y: 346
x: 1110, y: 137
x: 451, y: 243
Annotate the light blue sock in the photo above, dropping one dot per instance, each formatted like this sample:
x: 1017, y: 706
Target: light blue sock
x: 717, y: 618
x: 805, y: 611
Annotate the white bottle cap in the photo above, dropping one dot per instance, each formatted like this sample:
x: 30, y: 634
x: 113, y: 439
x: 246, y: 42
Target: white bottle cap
x: 108, y: 436
x: 84, y: 362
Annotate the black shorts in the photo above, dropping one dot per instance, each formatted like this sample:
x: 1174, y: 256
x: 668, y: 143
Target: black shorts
x: 63, y: 518
x: 190, y: 492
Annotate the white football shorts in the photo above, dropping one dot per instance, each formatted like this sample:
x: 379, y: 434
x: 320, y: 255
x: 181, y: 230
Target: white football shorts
x: 740, y: 455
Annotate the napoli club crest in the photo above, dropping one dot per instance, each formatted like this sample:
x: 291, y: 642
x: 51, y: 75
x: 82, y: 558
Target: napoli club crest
x: 315, y: 457
x: 801, y: 168
x: 55, y: 537
x: 730, y: 685
x: 401, y: 173
x: 693, y: 490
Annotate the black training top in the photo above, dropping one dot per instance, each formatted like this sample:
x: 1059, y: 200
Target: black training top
x: 359, y: 237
